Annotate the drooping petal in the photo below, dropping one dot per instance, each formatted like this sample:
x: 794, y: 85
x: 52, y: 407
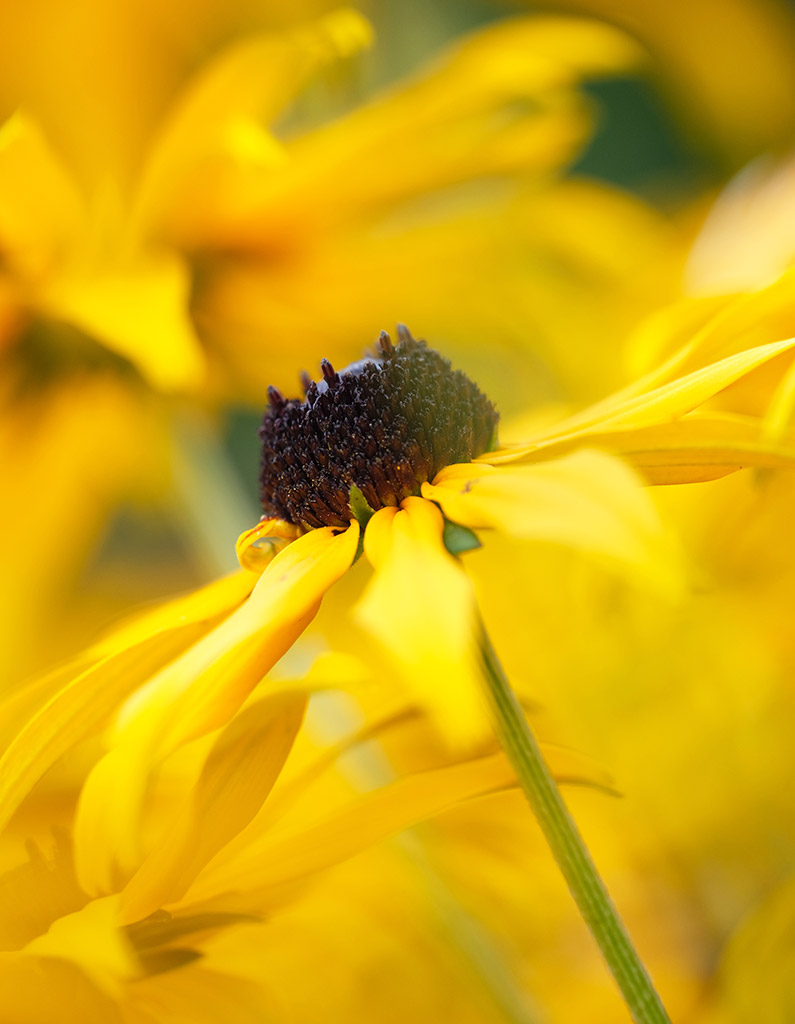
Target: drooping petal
x: 239, y: 773
x: 420, y: 606
x: 44, y: 720
x: 196, y: 693
x: 80, y: 708
x: 588, y: 501
x: 257, y: 870
x: 203, y: 605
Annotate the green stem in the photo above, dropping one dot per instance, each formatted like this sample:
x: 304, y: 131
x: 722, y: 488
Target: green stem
x: 568, y: 846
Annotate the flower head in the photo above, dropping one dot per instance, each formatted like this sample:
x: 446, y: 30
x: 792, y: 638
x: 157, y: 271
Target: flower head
x: 384, y: 425
x: 420, y: 604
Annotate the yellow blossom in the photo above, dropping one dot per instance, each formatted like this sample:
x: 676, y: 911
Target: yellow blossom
x: 172, y: 743
x: 194, y: 252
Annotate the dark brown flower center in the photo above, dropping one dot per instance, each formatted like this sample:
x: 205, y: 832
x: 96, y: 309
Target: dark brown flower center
x: 384, y: 425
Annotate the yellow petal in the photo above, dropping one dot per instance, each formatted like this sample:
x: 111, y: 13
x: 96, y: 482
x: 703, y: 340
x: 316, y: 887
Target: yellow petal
x: 782, y: 406
x: 702, y: 330
x: 274, y: 859
x: 40, y: 208
x: 257, y: 547
x: 36, y: 990
x: 252, y: 79
x: 91, y: 939
x: 501, y: 100
x: 420, y: 606
x: 588, y: 501
x: 239, y: 773
x: 80, y: 708
x: 45, y: 719
x: 700, y: 446
x: 663, y: 404
x: 198, y: 692
x: 203, y: 605
x: 140, y: 311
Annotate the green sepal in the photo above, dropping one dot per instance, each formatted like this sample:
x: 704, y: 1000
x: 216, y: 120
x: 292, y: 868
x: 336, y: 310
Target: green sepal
x: 362, y: 513
x: 358, y: 504
x: 459, y: 539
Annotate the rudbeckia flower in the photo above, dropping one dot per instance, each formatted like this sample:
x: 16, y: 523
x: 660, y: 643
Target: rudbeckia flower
x: 394, y: 456
x: 167, y: 266
x: 402, y: 446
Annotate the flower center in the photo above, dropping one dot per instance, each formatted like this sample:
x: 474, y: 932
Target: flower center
x: 385, y: 424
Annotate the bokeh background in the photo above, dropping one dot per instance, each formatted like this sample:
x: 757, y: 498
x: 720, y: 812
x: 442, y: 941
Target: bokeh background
x: 198, y: 199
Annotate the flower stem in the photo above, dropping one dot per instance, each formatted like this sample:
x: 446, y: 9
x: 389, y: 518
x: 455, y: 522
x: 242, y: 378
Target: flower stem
x: 568, y: 846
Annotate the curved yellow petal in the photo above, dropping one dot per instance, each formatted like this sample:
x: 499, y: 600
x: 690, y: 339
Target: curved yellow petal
x: 276, y: 860
x: 196, y: 693
x: 45, y: 719
x: 420, y: 607
x: 140, y: 311
x: 700, y: 446
x: 662, y: 404
x: 203, y: 605
x: 499, y: 101
x: 253, y: 875
x: 254, y: 78
x: 239, y: 773
x: 80, y: 708
x: 257, y: 547
x: 588, y: 501
x: 703, y: 329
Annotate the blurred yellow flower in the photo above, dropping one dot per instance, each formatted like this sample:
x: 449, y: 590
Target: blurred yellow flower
x: 697, y: 46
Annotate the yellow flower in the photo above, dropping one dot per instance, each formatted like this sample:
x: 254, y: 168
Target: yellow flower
x: 555, y: 488
x: 162, y: 743
x: 192, y: 254
x: 524, y: 491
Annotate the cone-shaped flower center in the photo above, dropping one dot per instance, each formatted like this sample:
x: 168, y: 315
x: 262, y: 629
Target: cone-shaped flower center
x: 386, y: 425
